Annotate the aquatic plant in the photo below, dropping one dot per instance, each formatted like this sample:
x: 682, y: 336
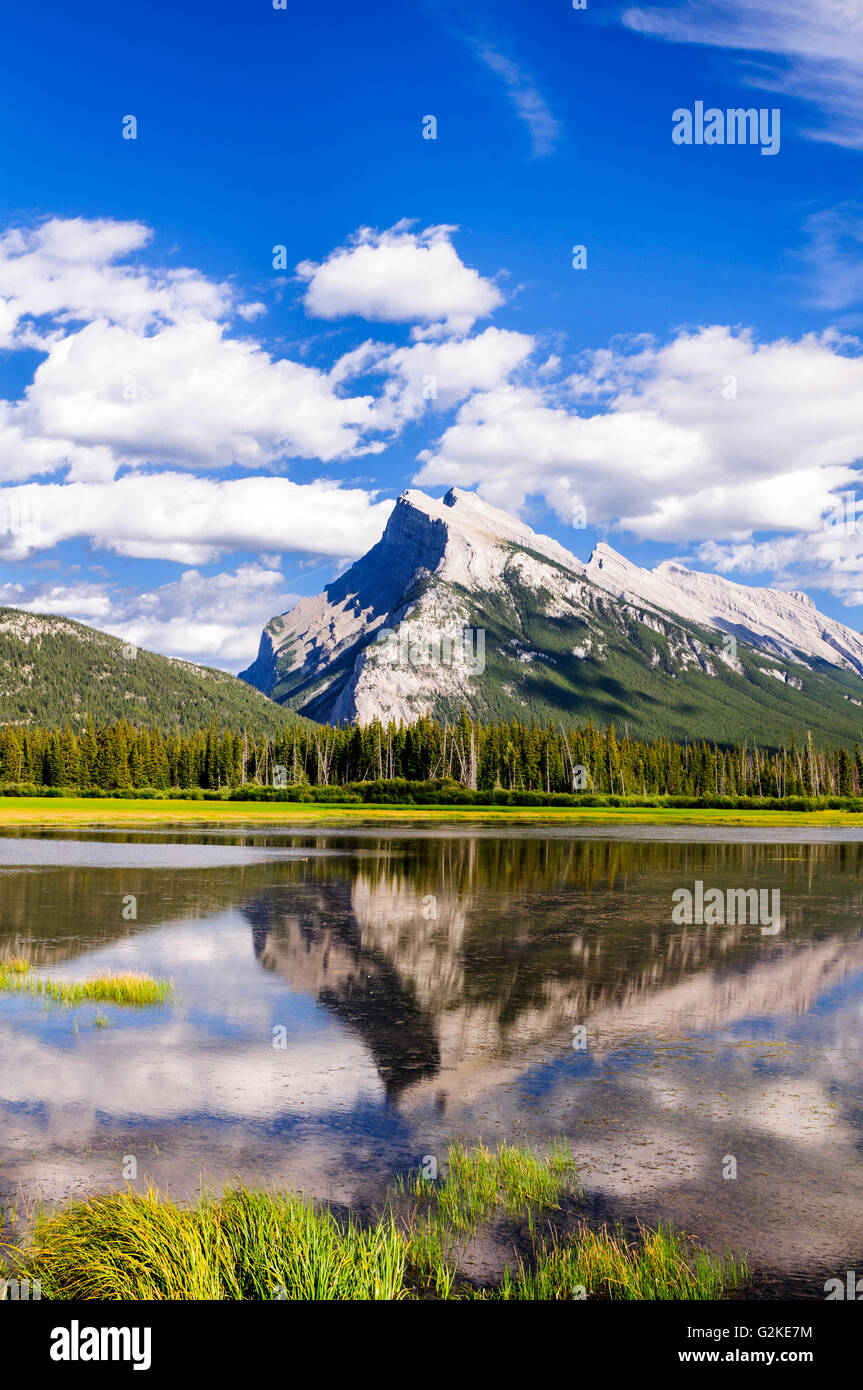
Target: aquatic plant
x: 127, y: 987
x: 245, y: 1245
x: 606, y: 1264
x: 255, y: 1244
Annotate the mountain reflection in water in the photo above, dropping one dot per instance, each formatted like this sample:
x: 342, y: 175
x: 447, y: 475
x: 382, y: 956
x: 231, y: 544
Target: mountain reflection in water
x: 424, y: 986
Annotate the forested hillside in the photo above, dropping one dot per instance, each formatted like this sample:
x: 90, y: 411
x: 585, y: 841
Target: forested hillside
x: 54, y: 671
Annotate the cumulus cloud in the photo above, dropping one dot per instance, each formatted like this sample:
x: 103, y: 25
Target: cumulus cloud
x: 64, y: 270
x: 190, y: 519
x: 83, y: 602
x: 712, y: 435
x: 151, y: 374
x: 830, y: 558
x: 142, y: 366
x: 819, y: 45
x: 435, y: 376
x: 187, y: 394
x: 215, y: 619
x: 400, y: 276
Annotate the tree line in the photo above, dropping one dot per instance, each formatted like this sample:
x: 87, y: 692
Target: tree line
x: 515, y: 756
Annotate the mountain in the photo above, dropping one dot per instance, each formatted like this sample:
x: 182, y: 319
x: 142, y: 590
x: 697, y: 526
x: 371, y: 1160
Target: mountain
x: 54, y: 671
x: 786, y: 624
x: 664, y: 651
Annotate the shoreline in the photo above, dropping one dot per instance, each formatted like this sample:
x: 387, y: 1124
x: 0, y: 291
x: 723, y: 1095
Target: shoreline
x: 37, y: 811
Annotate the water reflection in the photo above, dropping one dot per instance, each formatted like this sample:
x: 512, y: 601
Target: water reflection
x: 419, y: 986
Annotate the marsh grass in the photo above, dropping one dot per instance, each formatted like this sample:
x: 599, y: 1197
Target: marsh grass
x: 23, y: 810
x: 244, y: 1245
x: 481, y: 1183
x: 654, y: 1265
x: 127, y: 987
x: 254, y: 1244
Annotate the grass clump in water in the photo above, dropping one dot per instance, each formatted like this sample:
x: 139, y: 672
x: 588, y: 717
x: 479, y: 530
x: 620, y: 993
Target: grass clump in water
x: 605, y: 1264
x: 127, y: 987
x: 243, y: 1245
x: 259, y: 1245
x: 481, y: 1183
x: 16, y: 965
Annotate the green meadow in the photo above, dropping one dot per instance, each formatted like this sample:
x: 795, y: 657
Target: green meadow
x: 71, y: 810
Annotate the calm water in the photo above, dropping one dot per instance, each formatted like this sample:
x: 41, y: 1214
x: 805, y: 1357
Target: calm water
x: 427, y: 984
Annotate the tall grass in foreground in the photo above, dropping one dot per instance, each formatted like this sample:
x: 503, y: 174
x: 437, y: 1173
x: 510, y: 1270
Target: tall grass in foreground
x: 479, y: 1184
x: 252, y: 1244
x: 127, y: 987
x: 245, y: 1245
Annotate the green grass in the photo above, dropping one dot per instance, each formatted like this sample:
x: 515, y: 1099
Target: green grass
x: 128, y: 987
x: 658, y: 1264
x: 481, y: 1183
x: 246, y: 1245
x: 74, y: 810
x: 259, y: 1245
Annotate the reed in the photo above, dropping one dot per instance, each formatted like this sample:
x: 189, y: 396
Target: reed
x: 481, y: 1183
x: 249, y: 1245
x: 655, y: 1265
x: 128, y: 987
x: 254, y: 1244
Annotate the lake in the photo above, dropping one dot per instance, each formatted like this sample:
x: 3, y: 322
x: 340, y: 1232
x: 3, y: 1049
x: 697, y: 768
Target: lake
x: 346, y: 1000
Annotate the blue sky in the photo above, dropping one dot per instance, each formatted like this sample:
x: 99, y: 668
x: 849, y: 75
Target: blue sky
x: 190, y: 434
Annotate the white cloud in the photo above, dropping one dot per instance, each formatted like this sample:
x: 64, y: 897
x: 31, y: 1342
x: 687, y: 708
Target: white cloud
x: 829, y: 558
x: 187, y: 394
x: 435, y: 375
x: 85, y: 603
x: 141, y: 367
x: 190, y: 519
x: 819, y: 44
x: 64, y: 270
x: 834, y: 257
x: 400, y: 276
x: 655, y: 442
x: 529, y: 102
x: 215, y: 619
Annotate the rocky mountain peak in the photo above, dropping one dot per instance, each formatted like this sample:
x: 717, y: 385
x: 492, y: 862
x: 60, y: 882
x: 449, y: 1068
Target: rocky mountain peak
x: 455, y: 564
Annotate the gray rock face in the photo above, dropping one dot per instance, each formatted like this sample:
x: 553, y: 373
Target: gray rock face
x: 386, y: 639
x: 785, y: 624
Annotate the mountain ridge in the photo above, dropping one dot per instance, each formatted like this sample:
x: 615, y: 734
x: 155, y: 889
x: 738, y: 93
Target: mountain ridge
x: 56, y: 671
x: 786, y: 617
x: 669, y: 651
